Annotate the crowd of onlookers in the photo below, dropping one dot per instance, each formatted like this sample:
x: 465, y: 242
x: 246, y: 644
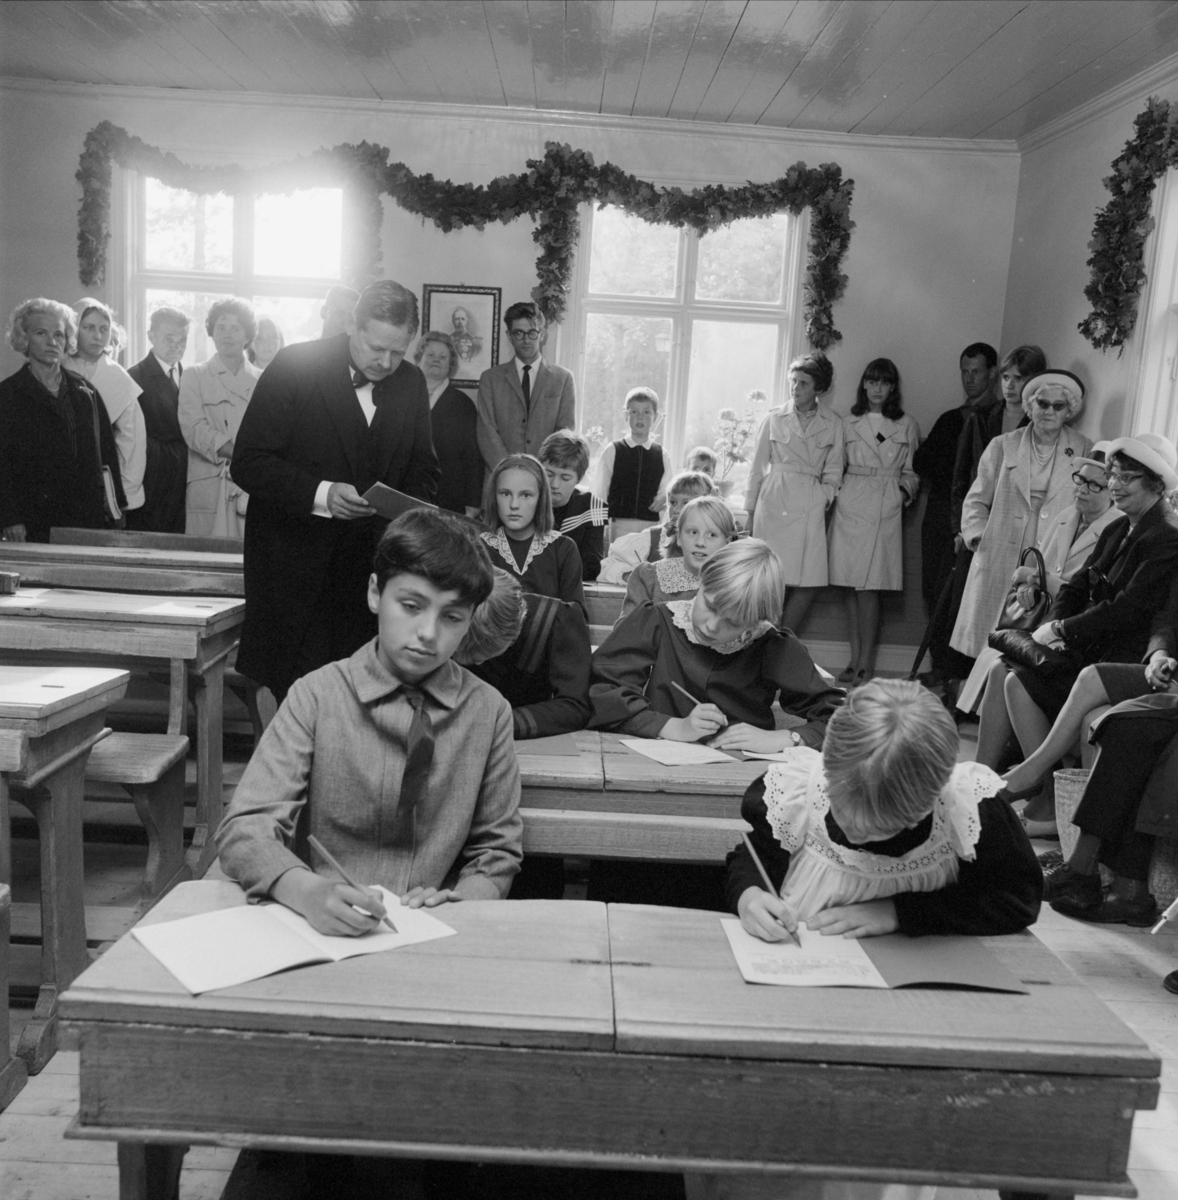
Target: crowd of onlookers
x: 1048, y: 563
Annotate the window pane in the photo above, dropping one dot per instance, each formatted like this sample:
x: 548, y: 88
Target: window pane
x: 630, y: 257
x: 743, y: 261
x: 186, y: 232
x: 196, y: 305
x: 621, y: 352
x: 297, y: 317
x: 299, y: 234
x: 731, y: 372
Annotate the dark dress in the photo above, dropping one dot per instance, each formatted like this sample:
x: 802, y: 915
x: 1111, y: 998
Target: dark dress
x: 50, y: 469
x: 165, y: 480
x: 638, y: 471
x: 454, y: 421
x: 551, y: 569
x: 583, y: 519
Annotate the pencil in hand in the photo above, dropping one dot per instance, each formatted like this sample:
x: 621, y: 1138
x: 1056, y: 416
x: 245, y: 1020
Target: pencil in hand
x: 321, y: 849
x: 797, y: 941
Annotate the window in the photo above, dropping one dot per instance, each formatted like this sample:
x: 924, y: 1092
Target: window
x: 280, y: 252
x: 708, y: 322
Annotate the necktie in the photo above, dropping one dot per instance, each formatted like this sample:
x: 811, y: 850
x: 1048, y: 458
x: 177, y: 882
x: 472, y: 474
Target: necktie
x: 527, y: 387
x: 360, y: 380
x: 174, y: 375
x: 419, y: 755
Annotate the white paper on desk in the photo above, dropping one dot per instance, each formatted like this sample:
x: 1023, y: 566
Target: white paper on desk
x: 818, y: 962
x: 236, y: 945
x: 676, y: 754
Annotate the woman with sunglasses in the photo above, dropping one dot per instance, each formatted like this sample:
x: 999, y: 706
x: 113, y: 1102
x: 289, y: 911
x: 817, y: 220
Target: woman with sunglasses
x: 1024, y: 480
x: 1105, y: 615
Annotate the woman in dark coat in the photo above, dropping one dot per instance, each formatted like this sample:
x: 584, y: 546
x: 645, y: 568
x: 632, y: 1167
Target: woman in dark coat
x: 453, y: 421
x: 50, y: 459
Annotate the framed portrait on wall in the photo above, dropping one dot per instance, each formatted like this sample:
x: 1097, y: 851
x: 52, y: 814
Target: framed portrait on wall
x: 470, y: 315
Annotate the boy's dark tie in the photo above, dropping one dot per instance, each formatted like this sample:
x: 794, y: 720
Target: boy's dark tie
x: 527, y: 385
x: 419, y: 755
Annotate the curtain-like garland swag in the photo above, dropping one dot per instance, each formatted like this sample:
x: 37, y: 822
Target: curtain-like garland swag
x: 1118, y: 237
x: 549, y: 191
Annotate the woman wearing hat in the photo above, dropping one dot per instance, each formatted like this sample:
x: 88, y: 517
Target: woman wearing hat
x: 1024, y: 479
x: 1105, y: 615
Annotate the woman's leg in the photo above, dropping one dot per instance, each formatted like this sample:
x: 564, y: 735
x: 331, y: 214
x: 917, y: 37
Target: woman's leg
x: 868, y: 630
x: 1031, y: 727
x: 994, y: 728
x: 797, y: 604
x: 1086, y: 694
x: 851, y: 611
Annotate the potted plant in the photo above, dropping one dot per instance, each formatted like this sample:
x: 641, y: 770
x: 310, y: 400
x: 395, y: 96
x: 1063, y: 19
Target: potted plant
x: 734, y: 441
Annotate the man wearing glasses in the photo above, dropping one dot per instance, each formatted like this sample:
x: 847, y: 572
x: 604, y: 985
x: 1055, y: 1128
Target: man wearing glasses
x: 524, y: 399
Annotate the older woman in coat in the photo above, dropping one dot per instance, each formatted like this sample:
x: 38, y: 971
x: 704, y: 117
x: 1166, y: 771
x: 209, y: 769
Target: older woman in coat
x: 213, y: 399
x: 1024, y: 480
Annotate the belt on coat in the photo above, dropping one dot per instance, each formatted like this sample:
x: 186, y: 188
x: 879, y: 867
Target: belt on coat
x: 798, y: 469
x: 889, y: 472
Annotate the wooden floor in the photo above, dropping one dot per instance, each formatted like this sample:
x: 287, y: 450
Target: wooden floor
x: 1123, y: 966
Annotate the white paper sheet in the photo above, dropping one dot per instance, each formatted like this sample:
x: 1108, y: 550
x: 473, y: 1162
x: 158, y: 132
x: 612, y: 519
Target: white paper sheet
x: 676, y: 754
x: 235, y: 945
x: 818, y: 962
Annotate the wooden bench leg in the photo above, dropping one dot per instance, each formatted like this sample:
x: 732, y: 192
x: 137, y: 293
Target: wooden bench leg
x: 149, y: 1171
x: 13, y: 1071
x: 209, y: 686
x: 160, y: 806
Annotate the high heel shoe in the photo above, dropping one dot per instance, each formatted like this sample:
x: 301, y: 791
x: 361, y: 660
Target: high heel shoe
x: 846, y: 674
x: 1025, y: 794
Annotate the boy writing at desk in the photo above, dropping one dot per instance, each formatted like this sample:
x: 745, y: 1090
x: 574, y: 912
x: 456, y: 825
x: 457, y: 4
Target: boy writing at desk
x: 399, y: 761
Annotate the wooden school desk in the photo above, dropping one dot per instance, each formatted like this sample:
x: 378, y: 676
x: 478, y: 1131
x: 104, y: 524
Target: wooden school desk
x: 185, y: 635
x: 563, y: 1033
x: 49, y: 719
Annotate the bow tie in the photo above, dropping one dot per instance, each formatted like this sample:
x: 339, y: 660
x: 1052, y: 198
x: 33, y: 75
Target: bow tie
x: 359, y: 379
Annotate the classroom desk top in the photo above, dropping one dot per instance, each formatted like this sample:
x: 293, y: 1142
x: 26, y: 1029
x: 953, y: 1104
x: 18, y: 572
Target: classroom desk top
x: 565, y: 1032
x: 561, y: 778
x: 125, y: 569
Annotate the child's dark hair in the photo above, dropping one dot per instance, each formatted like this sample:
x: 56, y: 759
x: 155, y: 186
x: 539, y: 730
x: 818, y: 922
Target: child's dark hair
x: 880, y: 370
x: 566, y: 451
x: 818, y: 367
x: 439, y: 547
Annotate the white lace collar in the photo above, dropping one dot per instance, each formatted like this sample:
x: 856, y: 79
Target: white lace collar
x: 681, y: 615
x: 501, y: 542
x: 673, y: 576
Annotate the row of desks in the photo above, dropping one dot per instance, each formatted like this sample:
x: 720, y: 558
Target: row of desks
x: 569, y: 1033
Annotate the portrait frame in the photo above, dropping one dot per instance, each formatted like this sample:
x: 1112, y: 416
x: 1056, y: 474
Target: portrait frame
x: 477, y: 342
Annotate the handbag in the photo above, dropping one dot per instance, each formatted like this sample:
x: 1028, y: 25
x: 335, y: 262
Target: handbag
x: 1014, y: 616
x: 1020, y: 649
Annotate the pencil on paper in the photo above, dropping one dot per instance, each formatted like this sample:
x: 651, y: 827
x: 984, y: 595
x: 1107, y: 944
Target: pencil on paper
x: 766, y: 881
x: 685, y: 692
x: 320, y: 848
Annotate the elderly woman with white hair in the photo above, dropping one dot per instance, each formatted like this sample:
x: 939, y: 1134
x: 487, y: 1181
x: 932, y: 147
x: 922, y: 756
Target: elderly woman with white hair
x: 1102, y: 619
x: 1024, y: 479
x: 58, y: 461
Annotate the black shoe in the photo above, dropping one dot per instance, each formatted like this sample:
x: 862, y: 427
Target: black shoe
x: 1061, y: 883
x: 1170, y: 983
x: 1049, y: 859
x: 1120, y: 910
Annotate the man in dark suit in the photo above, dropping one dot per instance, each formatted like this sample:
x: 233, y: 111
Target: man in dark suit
x: 166, y: 478
x: 524, y: 400
x: 327, y: 420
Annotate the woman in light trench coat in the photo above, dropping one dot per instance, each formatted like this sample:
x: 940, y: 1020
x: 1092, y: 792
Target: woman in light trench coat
x: 1024, y: 481
x: 213, y: 399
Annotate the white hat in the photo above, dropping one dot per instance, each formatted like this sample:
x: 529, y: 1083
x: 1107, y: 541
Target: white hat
x: 1072, y: 384
x: 1151, y: 450
x: 1096, y: 457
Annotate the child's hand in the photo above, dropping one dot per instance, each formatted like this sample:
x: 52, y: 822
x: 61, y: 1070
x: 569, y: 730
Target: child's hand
x: 329, y: 906
x: 429, y: 897
x: 765, y: 915
x: 870, y: 919
x: 703, y: 721
x: 749, y: 737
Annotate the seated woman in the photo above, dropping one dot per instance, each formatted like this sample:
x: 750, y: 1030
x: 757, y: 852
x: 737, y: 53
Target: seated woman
x: 648, y: 545
x: 1102, y: 615
x: 705, y: 525
x: 1065, y: 545
x: 534, y: 650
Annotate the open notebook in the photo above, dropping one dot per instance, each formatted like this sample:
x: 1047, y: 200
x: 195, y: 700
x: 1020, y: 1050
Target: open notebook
x: 234, y: 945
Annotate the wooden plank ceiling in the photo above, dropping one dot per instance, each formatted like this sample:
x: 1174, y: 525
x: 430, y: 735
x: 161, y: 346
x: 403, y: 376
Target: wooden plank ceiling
x: 932, y: 68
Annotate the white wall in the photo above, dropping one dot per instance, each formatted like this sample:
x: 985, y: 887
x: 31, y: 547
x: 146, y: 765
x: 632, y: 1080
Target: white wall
x: 1060, y: 191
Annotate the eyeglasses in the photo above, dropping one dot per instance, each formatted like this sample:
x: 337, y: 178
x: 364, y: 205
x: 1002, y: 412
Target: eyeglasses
x: 1090, y: 485
x: 1124, y: 477
x: 525, y: 335
x: 1052, y: 405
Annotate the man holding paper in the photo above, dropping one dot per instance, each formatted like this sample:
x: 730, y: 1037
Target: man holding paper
x: 329, y: 419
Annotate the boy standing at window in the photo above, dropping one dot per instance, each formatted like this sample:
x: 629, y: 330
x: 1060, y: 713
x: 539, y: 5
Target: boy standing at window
x: 399, y: 761
x: 634, y: 469
x: 580, y: 516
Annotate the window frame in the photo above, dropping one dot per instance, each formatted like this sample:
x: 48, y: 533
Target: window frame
x: 683, y: 310
x: 131, y: 281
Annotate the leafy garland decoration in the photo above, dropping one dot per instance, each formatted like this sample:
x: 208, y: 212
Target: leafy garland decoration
x: 549, y: 192
x: 1118, y: 236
